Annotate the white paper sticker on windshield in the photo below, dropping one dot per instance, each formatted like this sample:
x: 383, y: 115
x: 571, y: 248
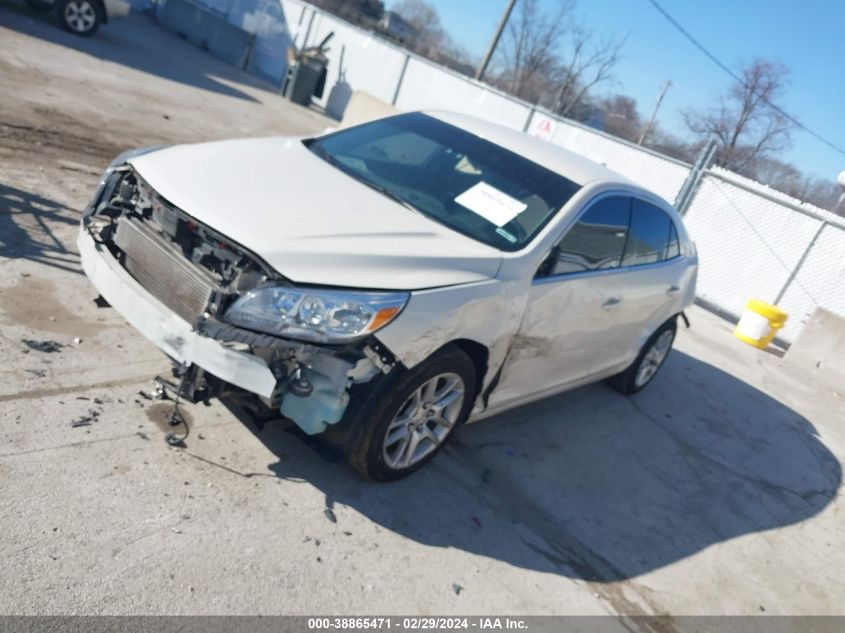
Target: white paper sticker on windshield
x: 491, y: 204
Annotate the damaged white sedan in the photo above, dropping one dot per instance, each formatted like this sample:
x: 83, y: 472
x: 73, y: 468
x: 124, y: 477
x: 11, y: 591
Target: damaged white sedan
x: 383, y: 284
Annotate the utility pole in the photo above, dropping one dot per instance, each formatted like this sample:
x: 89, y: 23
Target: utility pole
x: 479, y: 74
x: 647, y: 129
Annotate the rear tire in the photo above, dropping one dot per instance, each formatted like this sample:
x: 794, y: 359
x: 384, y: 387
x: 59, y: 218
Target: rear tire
x: 80, y: 17
x: 648, y: 362
x: 407, y: 421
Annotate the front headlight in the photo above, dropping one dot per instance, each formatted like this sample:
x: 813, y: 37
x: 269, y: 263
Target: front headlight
x: 323, y: 316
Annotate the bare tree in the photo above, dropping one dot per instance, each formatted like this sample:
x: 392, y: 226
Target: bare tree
x: 590, y: 62
x: 530, y: 46
x: 430, y: 38
x: 547, y: 57
x: 620, y: 116
x: 745, y: 122
x: 423, y: 17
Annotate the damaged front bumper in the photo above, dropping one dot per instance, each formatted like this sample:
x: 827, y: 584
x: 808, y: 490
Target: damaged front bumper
x: 234, y: 361
x: 167, y: 331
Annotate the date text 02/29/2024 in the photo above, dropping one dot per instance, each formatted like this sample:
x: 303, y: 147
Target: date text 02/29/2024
x: 416, y: 623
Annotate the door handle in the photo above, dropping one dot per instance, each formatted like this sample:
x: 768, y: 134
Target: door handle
x: 672, y: 290
x: 611, y: 303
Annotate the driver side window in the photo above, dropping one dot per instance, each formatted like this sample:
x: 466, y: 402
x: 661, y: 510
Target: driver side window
x: 596, y: 241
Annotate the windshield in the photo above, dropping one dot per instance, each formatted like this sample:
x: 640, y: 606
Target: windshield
x: 456, y: 178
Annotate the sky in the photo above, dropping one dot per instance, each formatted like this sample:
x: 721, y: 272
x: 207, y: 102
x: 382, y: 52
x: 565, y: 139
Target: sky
x: 806, y: 35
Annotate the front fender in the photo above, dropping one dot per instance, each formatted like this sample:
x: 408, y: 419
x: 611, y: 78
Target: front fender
x: 487, y: 312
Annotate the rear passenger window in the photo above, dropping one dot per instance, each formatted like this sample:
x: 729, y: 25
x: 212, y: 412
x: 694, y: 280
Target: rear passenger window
x: 651, y: 237
x: 597, y: 240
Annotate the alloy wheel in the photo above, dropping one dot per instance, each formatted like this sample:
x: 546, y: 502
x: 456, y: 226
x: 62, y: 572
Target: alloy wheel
x: 424, y: 420
x: 80, y: 15
x: 654, y: 358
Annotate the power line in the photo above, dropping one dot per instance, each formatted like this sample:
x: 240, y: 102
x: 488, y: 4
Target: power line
x: 739, y: 79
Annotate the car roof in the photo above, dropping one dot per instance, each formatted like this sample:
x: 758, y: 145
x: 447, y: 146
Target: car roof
x: 573, y: 166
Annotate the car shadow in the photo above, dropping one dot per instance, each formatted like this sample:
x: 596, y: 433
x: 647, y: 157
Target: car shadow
x: 593, y: 485
x: 27, y: 229
x: 136, y: 41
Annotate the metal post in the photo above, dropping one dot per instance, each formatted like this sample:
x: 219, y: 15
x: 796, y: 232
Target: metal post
x: 479, y: 74
x: 530, y: 116
x: 650, y: 124
x: 308, y: 30
x: 401, y: 78
x: 696, y: 174
x: 800, y: 263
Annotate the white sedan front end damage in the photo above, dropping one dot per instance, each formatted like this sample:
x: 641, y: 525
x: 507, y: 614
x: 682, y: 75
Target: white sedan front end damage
x: 189, y: 290
x: 387, y: 283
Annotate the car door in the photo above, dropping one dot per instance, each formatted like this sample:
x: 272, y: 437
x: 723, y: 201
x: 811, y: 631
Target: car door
x: 567, y: 323
x: 650, y: 284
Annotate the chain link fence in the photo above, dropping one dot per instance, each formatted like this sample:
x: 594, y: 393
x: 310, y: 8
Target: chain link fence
x: 756, y: 243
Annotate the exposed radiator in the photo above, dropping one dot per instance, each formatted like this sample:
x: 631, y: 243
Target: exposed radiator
x: 163, y: 271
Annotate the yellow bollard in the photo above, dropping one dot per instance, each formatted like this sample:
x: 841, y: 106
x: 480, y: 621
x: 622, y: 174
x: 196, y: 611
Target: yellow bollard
x: 759, y: 323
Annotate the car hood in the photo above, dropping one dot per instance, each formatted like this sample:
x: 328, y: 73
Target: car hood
x: 310, y: 221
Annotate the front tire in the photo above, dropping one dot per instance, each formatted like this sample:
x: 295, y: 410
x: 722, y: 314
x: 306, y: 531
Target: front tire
x: 648, y: 362
x: 415, y: 417
x: 80, y: 17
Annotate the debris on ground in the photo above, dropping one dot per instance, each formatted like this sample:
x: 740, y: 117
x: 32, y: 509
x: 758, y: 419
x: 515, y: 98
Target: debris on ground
x: 77, y: 341
x: 347, y: 533
x: 40, y: 373
x: 25, y: 275
x: 457, y: 588
x: 144, y: 395
x: 142, y: 435
x: 85, y: 420
x: 476, y: 520
x: 42, y: 346
x: 101, y: 302
x: 330, y: 515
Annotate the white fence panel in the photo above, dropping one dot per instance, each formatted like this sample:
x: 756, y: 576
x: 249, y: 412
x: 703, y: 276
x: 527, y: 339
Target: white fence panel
x: 426, y: 86
x: 663, y: 176
x: 819, y: 283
